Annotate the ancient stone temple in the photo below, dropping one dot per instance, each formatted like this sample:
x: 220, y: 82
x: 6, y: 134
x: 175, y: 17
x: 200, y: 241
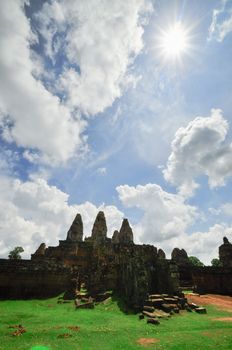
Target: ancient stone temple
x: 225, y: 253
x: 75, y: 233
x: 101, y: 263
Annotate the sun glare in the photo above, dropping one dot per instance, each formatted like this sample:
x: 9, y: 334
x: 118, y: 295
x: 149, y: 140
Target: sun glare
x: 174, y: 42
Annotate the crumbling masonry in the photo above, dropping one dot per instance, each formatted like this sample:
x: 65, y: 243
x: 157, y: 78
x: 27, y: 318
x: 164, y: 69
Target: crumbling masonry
x: 132, y: 271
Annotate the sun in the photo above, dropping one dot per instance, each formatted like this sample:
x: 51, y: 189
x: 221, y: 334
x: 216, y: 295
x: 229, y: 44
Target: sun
x: 174, y: 41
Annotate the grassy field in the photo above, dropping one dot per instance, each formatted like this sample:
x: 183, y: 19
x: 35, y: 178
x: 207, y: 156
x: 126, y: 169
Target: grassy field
x: 106, y: 328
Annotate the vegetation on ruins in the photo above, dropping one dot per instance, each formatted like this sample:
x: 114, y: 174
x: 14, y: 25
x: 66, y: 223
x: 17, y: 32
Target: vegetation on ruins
x: 15, y: 253
x: 106, y: 327
x: 216, y: 262
x: 195, y: 261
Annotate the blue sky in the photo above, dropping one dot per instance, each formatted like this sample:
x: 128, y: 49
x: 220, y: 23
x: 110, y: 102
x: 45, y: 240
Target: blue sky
x: 101, y: 109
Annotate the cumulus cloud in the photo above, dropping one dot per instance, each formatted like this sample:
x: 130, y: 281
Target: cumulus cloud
x: 166, y: 215
x: 33, y: 212
x: 167, y: 219
x: 100, y: 40
x: 221, y: 24
x: 199, y: 149
x: 31, y: 116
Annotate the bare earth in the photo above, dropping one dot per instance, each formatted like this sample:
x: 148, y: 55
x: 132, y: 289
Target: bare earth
x: 147, y: 341
x: 221, y: 301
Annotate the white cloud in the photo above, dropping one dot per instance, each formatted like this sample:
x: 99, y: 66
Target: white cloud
x: 32, y: 116
x: 221, y: 24
x: 100, y: 37
x: 166, y: 215
x: 33, y: 212
x: 227, y: 209
x: 199, y: 149
x: 166, y: 221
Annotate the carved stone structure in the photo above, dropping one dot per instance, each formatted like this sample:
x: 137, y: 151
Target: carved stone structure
x: 115, y: 237
x: 41, y: 250
x: 225, y: 253
x: 99, y: 230
x: 102, y: 264
x: 211, y: 279
x: 161, y: 254
x: 180, y: 258
x: 125, y: 233
x: 75, y: 233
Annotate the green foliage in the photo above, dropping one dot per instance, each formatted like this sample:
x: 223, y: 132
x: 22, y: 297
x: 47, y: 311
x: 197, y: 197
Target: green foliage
x: 15, y: 253
x: 195, y: 261
x: 216, y: 262
x: 106, y: 328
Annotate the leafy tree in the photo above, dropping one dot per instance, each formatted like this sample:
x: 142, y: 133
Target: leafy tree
x: 15, y: 253
x: 194, y: 261
x: 216, y: 262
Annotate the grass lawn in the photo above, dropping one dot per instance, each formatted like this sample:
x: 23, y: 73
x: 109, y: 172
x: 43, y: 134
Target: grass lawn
x: 107, y: 328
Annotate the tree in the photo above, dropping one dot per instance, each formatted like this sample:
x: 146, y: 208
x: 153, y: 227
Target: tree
x: 194, y: 261
x: 15, y: 253
x: 216, y: 262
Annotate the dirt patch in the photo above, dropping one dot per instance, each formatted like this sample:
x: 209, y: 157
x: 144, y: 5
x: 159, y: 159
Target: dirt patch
x: 74, y: 328
x: 19, y: 330
x: 64, y: 335
x: 225, y: 319
x: 221, y: 301
x: 207, y: 334
x: 147, y: 341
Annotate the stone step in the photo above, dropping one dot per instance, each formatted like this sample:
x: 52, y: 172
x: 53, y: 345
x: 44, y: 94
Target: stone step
x: 170, y: 300
x: 157, y: 302
x: 148, y: 308
x: 155, y: 296
x: 168, y: 307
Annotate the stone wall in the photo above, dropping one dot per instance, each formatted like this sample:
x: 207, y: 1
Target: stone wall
x: 215, y: 280
x: 21, y: 279
x: 129, y: 270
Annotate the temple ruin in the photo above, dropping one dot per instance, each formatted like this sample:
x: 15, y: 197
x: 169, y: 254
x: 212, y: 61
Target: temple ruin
x: 117, y: 264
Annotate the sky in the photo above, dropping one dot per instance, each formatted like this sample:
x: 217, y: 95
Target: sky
x: 121, y: 106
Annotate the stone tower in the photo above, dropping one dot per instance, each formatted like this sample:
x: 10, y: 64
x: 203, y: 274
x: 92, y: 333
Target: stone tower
x: 115, y: 237
x: 75, y: 233
x: 99, y: 230
x: 225, y: 253
x: 125, y: 234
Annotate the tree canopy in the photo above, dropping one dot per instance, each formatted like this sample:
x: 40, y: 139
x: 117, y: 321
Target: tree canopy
x: 15, y: 253
x: 216, y: 262
x: 195, y: 261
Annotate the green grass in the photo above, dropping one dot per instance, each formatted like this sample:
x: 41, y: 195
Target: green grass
x: 107, y: 328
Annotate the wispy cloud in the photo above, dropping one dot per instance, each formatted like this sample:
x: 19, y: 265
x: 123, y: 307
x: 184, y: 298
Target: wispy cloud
x: 221, y: 24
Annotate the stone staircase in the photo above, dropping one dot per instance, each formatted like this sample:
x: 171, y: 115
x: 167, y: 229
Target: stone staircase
x: 162, y: 306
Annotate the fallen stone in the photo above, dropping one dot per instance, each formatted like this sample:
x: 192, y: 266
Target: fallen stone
x: 176, y: 310
x: 168, y: 307
x: 149, y: 314
x: 148, y: 302
x: 155, y: 296
x: 201, y: 310
x: 170, y: 300
x: 89, y: 305
x: 148, y: 308
x: 161, y: 314
x: 193, y: 305
x: 157, y: 302
x: 153, y: 321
